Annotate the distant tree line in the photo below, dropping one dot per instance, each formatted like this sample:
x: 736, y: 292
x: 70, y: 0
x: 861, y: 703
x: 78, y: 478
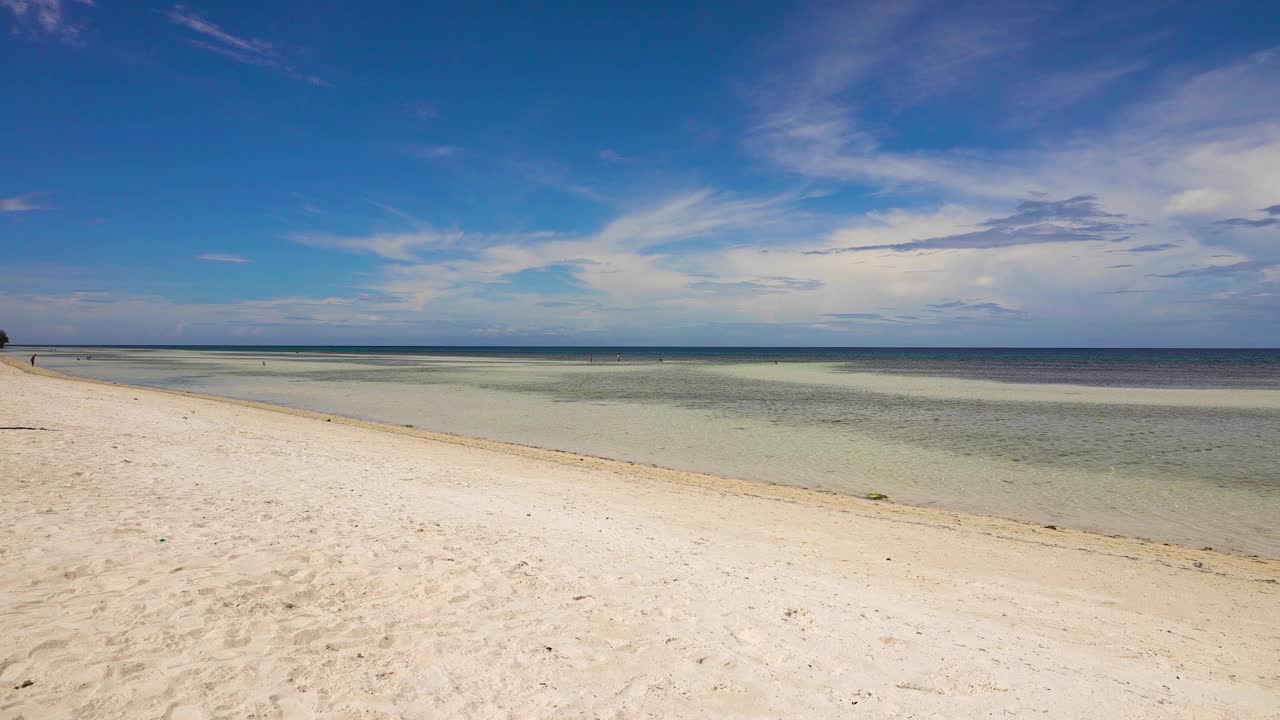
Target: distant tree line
x: 4, y: 338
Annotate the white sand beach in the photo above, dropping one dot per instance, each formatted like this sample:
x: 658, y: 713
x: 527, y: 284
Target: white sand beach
x: 165, y: 555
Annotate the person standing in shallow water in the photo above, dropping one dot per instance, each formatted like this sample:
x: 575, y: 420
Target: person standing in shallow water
x: 33, y: 360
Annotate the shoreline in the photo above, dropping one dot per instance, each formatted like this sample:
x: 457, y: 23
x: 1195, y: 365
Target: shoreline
x: 1006, y: 527
x: 170, y: 555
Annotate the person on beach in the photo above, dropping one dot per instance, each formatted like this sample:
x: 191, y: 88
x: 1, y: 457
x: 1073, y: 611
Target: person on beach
x: 591, y: 358
x: 619, y: 357
x: 33, y: 360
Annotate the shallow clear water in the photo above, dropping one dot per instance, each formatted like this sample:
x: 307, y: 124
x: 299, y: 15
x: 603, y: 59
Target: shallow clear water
x: 1173, y: 445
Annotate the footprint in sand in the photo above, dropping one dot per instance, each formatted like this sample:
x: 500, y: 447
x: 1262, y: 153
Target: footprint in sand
x: 47, y: 645
x: 235, y: 641
x: 291, y: 708
x: 186, y: 712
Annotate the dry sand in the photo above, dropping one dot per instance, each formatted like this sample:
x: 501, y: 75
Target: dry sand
x: 171, y: 556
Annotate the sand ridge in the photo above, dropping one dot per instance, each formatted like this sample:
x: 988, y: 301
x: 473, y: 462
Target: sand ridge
x: 969, y: 389
x: 313, y: 566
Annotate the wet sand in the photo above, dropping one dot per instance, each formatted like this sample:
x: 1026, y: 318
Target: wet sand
x: 965, y: 389
x: 167, y: 555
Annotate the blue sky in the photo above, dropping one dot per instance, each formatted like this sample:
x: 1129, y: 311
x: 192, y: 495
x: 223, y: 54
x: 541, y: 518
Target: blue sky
x: 874, y: 173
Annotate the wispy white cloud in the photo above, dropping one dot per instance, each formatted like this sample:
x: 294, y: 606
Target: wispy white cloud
x: 45, y: 18
x: 397, y: 213
x: 769, y: 284
x: 609, y: 155
x: 21, y: 203
x: 623, y: 262
x: 179, y: 15
x: 557, y: 177
x: 222, y: 257
x: 423, y: 111
x: 408, y: 246
x: 211, y: 37
x: 809, y: 106
x: 432, y: 152
x: 1189, y: 140
x: 692, y: 215
x: 1055, y: 91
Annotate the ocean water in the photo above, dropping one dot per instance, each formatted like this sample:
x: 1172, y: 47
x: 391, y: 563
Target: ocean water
x: 1173, y: 445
